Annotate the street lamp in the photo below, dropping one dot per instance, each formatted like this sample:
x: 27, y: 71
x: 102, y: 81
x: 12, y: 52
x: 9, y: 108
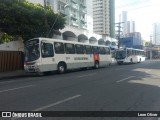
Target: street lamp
x: 55, y: 21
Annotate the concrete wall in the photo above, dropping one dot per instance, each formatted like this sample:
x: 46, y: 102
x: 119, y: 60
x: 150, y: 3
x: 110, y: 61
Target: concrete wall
x: 13, y: 46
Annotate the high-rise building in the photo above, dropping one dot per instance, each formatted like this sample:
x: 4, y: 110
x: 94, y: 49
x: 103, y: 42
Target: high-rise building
x: 79, y: 18
x: 74, y: 10
x: 156, y: 34
x: 124, y: 25
x: 132, y: 26
x: 127, y: 26
x: 89, y: 5
x: 104, y: 17
x: 112, y: 18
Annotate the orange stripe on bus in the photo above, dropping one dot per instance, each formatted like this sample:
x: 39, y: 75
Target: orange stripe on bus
x: 96, y: 57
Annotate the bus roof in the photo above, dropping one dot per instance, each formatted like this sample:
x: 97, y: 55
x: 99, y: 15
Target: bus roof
x: 130, y: 49
x: 64, y: 41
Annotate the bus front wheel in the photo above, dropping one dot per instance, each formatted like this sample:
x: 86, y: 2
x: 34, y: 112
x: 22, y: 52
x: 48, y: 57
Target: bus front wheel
x: 61, y: 68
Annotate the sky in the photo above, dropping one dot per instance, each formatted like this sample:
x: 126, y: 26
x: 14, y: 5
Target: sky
x: 143, y: 12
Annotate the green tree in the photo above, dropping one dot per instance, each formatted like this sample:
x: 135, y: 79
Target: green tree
x: 28, y: 20
x: 147, y: 44
x: 4, y: 38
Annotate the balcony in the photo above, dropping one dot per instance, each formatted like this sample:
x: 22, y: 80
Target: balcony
x: 74, y: 1
x: 62, y: 12
x: 84, y: 26
x: 63, y: 1
x: 74, y: 23
x: 83, y: 10
x: 73, y: 16
x: 74, y: 6
x: 83, y: 20
x: 83, y: 5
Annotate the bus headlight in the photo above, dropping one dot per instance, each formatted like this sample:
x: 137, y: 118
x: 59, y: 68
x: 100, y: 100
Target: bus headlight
x: 38, y: 63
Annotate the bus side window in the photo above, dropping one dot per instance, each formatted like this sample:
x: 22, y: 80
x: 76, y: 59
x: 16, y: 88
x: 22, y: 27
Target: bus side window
x: 79, y: 49
x: 59, y: 48
x: 101, y: 50
x: 47, y: 50
x: 129, y: 52
x: 88, y: 49
x: 70, y: 48
x: 107, y: 50
x: 95, y: 49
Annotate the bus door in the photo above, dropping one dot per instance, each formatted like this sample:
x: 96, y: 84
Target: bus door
x: 47, y: 56
x: 95, y: 51
x: 108, y: 55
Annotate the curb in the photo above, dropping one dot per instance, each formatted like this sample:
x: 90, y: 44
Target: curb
x: 14, y: 75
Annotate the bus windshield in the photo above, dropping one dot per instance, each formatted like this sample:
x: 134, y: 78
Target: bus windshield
x: 120, y: 54
x: 32, y: 53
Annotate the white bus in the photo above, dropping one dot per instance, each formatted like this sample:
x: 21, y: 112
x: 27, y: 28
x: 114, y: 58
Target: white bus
x: 129, y: 55
x: 44, y: 55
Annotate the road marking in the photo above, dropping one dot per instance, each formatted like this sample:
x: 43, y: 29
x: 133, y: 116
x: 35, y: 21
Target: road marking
x: 56, y: 103
x: 147, y: 70
x: 16, y: 88
x: 86, y: 75
x: 125, y: 79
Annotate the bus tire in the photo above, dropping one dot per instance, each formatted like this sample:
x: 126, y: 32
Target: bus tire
x: 131, y: 60
x: 119, y: 63
x: 41, y: 73
x: 96, y: 64
x: 61, y: 67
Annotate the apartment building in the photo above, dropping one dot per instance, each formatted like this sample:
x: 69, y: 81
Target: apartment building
x: 156, y: 34
x: 74, y: 10
x: 104, y: 17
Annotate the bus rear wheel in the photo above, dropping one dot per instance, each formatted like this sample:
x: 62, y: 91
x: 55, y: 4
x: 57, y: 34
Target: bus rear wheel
x: 61, y: 68
x: 131, y: 60
x: 119, y: 63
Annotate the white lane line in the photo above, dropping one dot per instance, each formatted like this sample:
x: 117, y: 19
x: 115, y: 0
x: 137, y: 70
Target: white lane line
x: 125, y: 79
x: 86, y: 75
x: 56, y: 103
x: 16, y: 88
x: 147, y: 70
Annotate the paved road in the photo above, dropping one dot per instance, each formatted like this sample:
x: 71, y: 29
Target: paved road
x: 134, y: 87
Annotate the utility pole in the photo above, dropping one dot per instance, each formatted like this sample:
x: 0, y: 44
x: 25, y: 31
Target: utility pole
x: 45, y: 16
x: 119, y: 32
x: 151, y: 47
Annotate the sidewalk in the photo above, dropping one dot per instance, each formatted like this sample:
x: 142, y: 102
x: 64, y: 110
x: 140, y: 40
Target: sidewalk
x: 12, y: 74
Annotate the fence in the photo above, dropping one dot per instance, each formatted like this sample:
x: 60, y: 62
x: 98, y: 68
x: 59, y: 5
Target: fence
x: 11, y: 61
